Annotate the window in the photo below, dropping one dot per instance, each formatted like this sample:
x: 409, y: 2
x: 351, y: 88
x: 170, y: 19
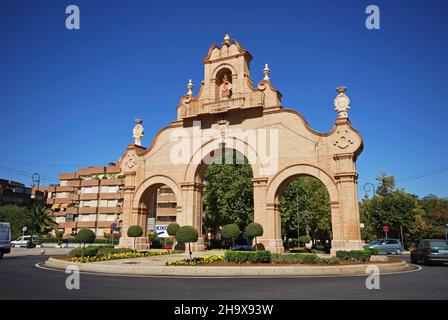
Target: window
x: 63, y: 183
x: 71, y: 218
x: 165, y: 191
x: 166, y: 218
x: 166, y: 205
x: 89, y: 190
x: 109, y: 189
x: 89, y: 203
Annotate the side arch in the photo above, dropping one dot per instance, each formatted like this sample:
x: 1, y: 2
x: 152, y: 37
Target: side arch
x: 153, y: 181
x: 281, y: 180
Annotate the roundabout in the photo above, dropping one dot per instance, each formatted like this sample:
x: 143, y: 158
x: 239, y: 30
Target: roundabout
x: 155, y: 266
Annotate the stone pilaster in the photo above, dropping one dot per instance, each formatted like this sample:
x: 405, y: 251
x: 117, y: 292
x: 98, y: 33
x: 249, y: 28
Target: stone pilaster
x: 268, y: 215
x: 192, y: 210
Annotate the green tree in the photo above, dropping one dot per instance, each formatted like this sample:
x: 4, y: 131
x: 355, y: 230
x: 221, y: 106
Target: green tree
x: 386, y: 184
x: 135, y: 231
x: 18, y: 217
x: 187, y: 234
x: 231, y: 231
x: 435, y: 216
x: 396, y: 208
x: 228, y: 194
x: 305, y: 203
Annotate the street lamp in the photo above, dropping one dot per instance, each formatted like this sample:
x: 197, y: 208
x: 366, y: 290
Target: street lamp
x: 372, y: 188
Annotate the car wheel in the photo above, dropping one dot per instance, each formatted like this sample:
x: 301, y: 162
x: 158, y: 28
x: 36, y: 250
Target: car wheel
x: 1, y: 254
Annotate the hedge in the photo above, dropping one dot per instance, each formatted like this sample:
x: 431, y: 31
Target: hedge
x: 73, y: 240
x: 355, y: 255
x: 248, y: 256
x: 105, y: 251
x: 297, y: 258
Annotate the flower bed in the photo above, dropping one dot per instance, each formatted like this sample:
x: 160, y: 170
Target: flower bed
x: 196, y: 261
x: 123, y: 255
x: 265, y: 257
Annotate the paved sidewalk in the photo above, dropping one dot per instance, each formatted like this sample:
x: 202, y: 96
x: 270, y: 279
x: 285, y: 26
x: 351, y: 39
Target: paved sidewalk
x: 20, y: 252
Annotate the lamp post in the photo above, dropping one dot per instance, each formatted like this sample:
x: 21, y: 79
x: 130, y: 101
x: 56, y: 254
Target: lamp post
x: 297, y: 209
x: 372, y: 188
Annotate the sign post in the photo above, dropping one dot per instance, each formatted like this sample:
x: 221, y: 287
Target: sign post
x: 386, y: 229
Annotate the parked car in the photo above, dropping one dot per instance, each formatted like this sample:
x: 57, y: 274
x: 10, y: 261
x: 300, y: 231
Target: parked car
x: 5, y: 238
x: 242, y: 247
x: 24, y: 241
x: 386, y: 246
x: 430, y: 251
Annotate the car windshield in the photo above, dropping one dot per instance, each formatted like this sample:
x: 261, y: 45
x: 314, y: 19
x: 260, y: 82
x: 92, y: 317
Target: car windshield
x: 439, y: 243
x: 375, y: 242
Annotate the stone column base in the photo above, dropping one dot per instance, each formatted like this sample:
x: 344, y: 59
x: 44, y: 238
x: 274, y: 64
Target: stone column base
x: 273, y: 245
x: 346, y: 245
x: 196, y: 246
x: 141, y: 243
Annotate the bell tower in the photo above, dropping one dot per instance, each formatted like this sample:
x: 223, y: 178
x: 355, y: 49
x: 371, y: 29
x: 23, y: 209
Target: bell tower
x: 227, y: 84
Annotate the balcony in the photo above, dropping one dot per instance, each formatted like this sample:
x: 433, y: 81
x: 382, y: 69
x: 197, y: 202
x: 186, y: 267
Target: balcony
x: 111, y: 182
x: 88, y: 196
x: 111, y: 196
x: 109, y: 210
x: 87, y: 210
x: 237, y: 102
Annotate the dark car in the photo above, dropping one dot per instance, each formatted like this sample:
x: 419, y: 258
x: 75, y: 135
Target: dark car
x: 242, y: 247
x: 430, y: 251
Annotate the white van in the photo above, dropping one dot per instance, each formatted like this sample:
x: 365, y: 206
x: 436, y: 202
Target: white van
x: 5, y: 238
x: 23, y: 241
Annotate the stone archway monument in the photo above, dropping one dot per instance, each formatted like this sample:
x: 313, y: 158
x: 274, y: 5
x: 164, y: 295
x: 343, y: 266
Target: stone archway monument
x: 230, y: 112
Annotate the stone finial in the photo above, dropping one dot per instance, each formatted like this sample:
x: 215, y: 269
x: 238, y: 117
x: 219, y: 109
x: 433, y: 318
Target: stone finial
x: 138, y: 132
x: 342, y: 103
x: 266, y: 72
x: 190, y: 87
x: 227, y: 38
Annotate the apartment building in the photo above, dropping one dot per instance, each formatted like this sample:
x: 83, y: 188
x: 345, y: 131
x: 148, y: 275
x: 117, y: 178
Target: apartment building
x: 12, y: 192
x: 93, y: 197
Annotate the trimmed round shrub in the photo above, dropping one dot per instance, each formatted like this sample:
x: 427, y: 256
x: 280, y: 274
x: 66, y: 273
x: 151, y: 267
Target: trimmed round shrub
x: 172, y: 229
x: 135, y: 231
x: 230, y: 231
x: 85, y: 236
x: 186, y: 234
x: 304, y: 239
x: 254, y: 230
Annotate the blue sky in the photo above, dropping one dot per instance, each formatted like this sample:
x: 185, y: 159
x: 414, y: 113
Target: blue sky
x: 68, y: 98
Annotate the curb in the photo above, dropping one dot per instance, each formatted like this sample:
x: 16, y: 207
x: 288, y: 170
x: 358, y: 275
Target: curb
x: 204, y: 271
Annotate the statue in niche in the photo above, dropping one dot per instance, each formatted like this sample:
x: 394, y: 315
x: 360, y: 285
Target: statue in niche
x: 226, y: 87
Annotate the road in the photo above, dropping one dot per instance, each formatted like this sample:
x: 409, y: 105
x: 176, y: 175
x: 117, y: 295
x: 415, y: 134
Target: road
x: 21, y: 279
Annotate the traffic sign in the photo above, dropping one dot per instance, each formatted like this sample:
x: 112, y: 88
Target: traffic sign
x: 386, y: 228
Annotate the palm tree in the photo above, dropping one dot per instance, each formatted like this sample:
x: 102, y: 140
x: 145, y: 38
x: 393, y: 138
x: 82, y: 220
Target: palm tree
x: 41, y: 219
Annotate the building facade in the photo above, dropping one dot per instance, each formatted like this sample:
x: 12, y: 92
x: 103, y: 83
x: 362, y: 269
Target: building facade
x: 92, y: 198
x: 12, y: 192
